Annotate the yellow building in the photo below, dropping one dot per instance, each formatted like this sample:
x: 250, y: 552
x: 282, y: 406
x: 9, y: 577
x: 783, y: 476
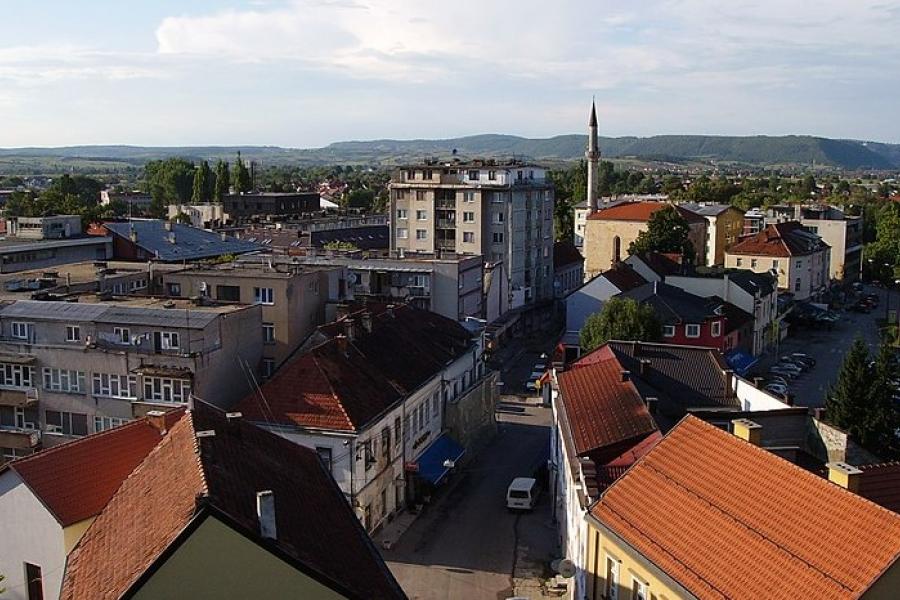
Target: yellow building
x: 609, y: 232
x: 724, y: 224
x: 706, y: 514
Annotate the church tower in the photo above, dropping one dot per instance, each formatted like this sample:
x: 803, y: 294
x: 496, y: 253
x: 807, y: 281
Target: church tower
x: 593, y: 159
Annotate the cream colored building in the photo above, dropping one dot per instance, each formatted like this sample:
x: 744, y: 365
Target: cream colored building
x: 724, y: 226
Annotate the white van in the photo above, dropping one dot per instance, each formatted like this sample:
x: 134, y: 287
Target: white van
x: 522, y: 494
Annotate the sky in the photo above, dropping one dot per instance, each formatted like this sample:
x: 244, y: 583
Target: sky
x: 304, y: 73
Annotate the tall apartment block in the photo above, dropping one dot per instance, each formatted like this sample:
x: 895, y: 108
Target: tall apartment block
x: 502, y: 211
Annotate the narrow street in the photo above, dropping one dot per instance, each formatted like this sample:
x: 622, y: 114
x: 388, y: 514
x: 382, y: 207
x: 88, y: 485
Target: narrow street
x: 467, y: 544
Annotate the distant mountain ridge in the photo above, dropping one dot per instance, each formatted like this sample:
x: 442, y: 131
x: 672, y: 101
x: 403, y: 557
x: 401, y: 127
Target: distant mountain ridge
x: 792, y: 150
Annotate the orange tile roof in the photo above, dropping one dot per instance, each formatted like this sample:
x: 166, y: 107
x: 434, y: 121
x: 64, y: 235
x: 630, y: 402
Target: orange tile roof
x: 601, y: 410
x: 726, y: 519
x: 75, y: 480
x: 185, y: 478
x: 777, y: 239
x: 640, y: 211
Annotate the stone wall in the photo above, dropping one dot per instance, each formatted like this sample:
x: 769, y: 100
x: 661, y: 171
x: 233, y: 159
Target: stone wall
x: 470, y: 419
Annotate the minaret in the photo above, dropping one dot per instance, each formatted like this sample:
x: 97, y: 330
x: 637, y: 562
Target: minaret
x: 593, y: 159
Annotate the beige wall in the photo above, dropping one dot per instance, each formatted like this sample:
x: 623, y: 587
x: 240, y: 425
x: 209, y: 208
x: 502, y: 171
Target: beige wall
x: 630, y: 565
x: 599, y: 237
x: 73, y: 533
x: 725, y: 232
x: 216, y: 562
x: 811, y: 270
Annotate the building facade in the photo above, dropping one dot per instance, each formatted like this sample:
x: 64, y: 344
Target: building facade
x: 502, y: 211
x: 724, y: 226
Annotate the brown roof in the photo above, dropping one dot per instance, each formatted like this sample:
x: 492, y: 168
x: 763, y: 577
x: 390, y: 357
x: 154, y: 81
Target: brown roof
x: 881, y: 484
x: 603, y: 411
x: 343, y: 383
x: 640, y: 211
x: 75, y: 480
x: 624, y: 277
x: 187, y: 478
x: 779, y: 239
x: 565, y: 253
x: 727, y: 519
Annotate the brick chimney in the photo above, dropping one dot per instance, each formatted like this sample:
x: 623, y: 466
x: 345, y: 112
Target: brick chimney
x: 846, y: 476
x: 747, y: 430
x: 157, y: 420
x: 652, y: 403
x: 645, y: 367
x: 626, y: 375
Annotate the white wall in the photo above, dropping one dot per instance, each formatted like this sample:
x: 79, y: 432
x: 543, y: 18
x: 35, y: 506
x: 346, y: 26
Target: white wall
x: 28, y: 533
x: 753, y: 398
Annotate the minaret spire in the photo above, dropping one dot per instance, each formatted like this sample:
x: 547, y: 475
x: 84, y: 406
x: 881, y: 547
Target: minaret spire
x: 593, y: 159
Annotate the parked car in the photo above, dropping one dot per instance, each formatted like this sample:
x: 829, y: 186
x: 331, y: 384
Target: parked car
x: 522, y: 493
x: 861, y: 307
x: 777, y: 389
x: 873, y: 299
x: 539, y: 367
x: 805, y: 357
x: 788, y: 365
x: 783, y: 372
x: 790, y: 360
x: 777, y: 379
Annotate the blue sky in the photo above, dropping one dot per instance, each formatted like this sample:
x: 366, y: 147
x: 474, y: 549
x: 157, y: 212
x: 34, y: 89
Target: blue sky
x: 304, y: 73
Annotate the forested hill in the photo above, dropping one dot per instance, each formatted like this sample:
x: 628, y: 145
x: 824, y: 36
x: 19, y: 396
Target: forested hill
x: 755, y: 151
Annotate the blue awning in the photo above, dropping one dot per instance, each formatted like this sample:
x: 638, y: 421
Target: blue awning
x: 741, y: 362
x: 431, y: 462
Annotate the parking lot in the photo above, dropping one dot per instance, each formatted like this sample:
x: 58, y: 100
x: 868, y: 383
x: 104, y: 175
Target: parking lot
x: 828, y: 348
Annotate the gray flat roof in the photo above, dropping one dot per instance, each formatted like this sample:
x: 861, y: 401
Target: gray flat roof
x: 11, y: 245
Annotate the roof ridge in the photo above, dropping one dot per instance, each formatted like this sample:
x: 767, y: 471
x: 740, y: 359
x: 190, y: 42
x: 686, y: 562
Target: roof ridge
x: 334, y: 394
x: 198, y: 453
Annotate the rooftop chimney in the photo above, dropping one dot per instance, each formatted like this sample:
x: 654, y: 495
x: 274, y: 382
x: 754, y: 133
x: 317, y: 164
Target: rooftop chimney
x: 224, y: 236
x: 728, y: 374
x: 341, y: 341
x: 265, y: 511
x: 132, y: 235
x: 645, y: 366
x: 846, y: 476
x: 157, y: 419
x: 349, y: 328
x: 167, y: 225
x: 626, y: 375
x: 366, y: 319
x: 652, y: 403
x: 748, y: 431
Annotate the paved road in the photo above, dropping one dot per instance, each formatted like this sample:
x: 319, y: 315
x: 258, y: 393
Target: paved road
x: 829, y: 349
x: 467, y: 545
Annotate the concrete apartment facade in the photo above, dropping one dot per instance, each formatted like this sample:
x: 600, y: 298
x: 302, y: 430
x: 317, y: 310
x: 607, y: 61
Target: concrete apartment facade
x: 724, y: 225
x: 68, y: 369
x: 502, y: 211
x: 449, y: 286
x: 293, y: 298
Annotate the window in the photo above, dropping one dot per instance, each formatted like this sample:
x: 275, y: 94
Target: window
x: 421, y: 215
x: 753, y: 263
x: 169, y: 340
x: 406, y: 428
x: 16, y: 375
x: 497, y: 237
x: 435, y: 406
x: 73, y: 333
x: 397, y: 433
x: 123, y: 335
x: 469, y: 237
x: 716, y: 328
x: 104, y: 423
x: 268, y: 330
x: 34, y: 582
x: 692, y: 330
x: 473, y: 175
x: 427, y: 411
x: 401, y: 213
x: 63, y: 380
x: 386, y: 442
x: 668, y: 331
x: 415, y: 421
x: 775, y: 264
x: 492, y: 175
x: 402, y: 233
x: 268, y: 367
x: 468, y: 196
x: 799, y: 264
x: 498, y: 217
x: 638, y: 589
x: 427, y: 174
x: 612, y: 578
x: 421, y: 416
x: 228, y: 293
x: 740, y: 261
x: 420, y: 194
x: 22, y: 331
x: 66, y: 423
x: 166, y: 389
x: 263, y: 296
x: 324, y: 456
x: 173, y: 289
x: 115, y: 386
x: 421, y: 234
x: 468, y: 217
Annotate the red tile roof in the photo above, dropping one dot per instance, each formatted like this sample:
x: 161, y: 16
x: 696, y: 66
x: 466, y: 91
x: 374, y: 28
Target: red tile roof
x: 603, y: 411
x: 640, y: 211
x: 342, y: 383
x: 778, y: 239
x: 727, y: 519
x: 881, y: 484
x: 187, y: 478
x: 75, y: 480
x: 624, y: 277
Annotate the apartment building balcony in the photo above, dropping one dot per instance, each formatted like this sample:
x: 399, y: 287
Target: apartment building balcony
x: 19, y: 439
x: 445, y: 203
x: 447, y: 245
x: 19, y: 397
x: 446, y: 223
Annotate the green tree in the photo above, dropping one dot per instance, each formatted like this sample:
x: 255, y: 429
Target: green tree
x: 620, y: 319
x: 860, y: 401
x: 223, y: 181
x: 169, y: 181
x: 240, y: 176
x: 200, y: 185
x: 667, y: 231
x: 360, y: 198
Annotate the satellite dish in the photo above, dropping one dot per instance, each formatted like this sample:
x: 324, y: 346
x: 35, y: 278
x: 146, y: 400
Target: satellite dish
x: 564, y: 567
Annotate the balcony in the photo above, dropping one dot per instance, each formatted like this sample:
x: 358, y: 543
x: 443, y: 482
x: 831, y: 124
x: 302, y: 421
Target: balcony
x: 446, y: 223
x: 449, y: 245
x: 445, y: 203
x: 29, y: 439
x: 19, y: 398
